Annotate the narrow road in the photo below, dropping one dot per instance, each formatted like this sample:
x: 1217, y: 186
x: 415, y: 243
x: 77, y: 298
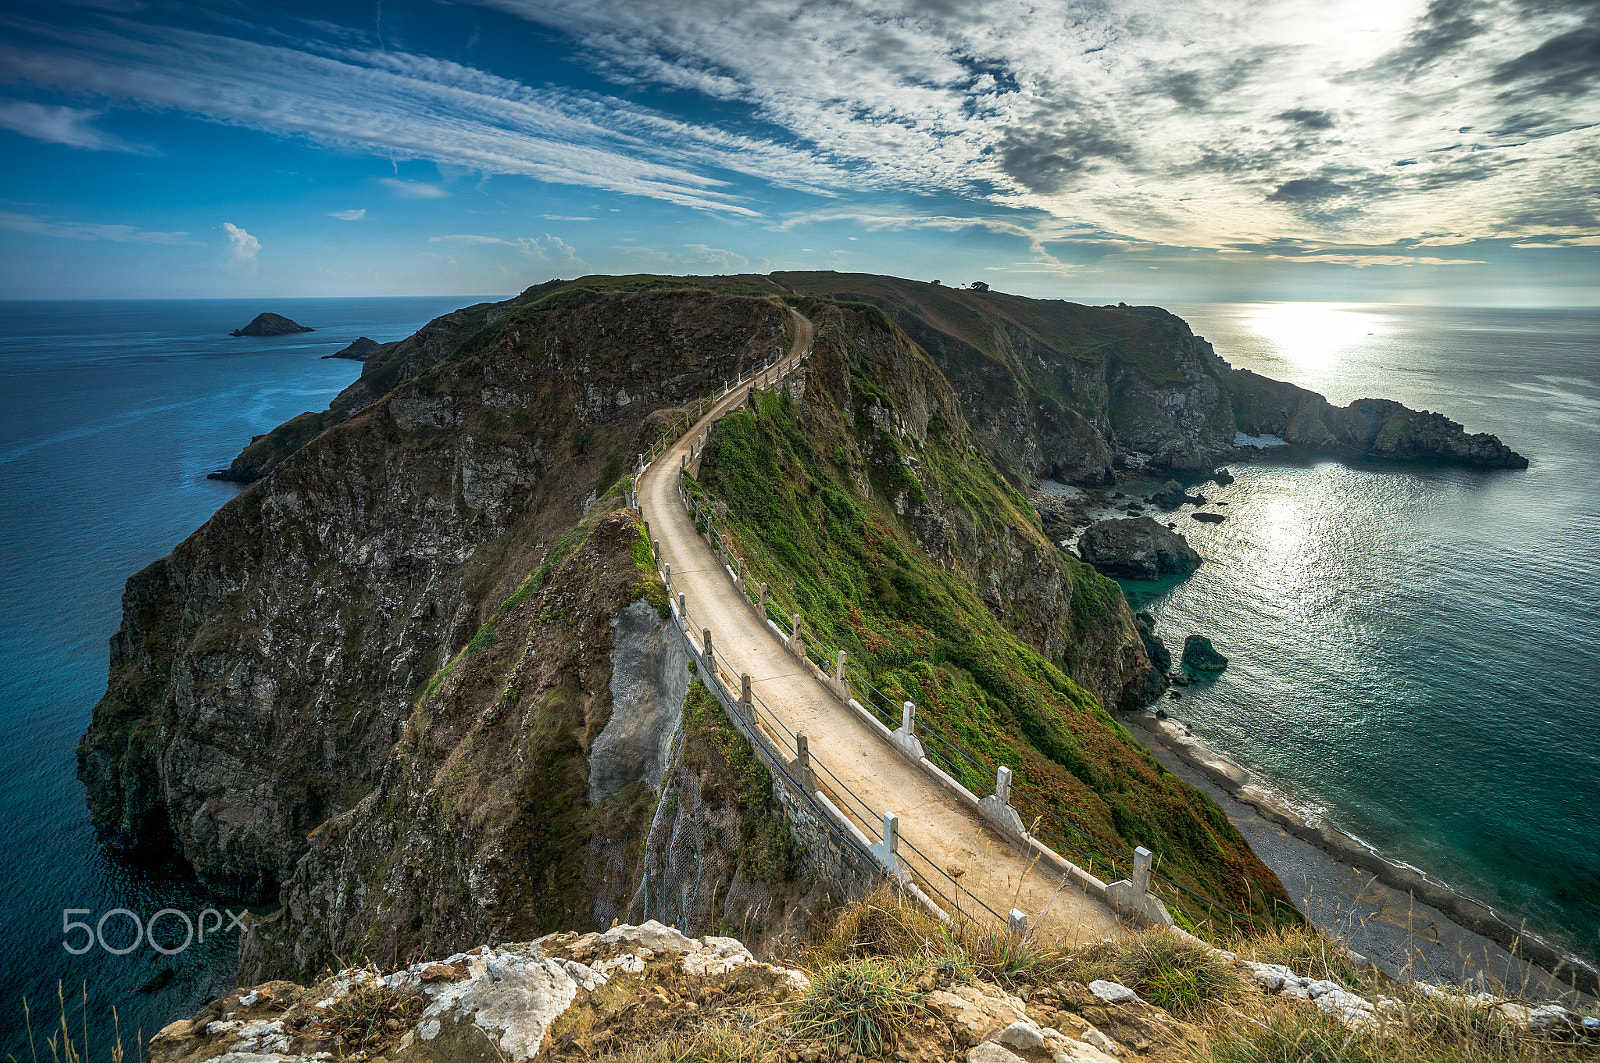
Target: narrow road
x: 931, y: 818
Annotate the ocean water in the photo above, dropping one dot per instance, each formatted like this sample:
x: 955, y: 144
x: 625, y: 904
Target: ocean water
x: 1415, y: 653
x: 116, y: 412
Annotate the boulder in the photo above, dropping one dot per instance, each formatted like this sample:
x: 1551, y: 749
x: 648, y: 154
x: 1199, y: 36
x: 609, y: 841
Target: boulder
x: 1209, y: 518
x: 1171, y: 495
x: 271, y: 325
x: 1137, y: 548
x: 1160, y: 657
x: 1200, y: 656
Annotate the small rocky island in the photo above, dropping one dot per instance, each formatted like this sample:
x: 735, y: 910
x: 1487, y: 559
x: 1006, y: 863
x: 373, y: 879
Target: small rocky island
x: 1137, y: 548
x: 271, y: 325
x: 360, y: 350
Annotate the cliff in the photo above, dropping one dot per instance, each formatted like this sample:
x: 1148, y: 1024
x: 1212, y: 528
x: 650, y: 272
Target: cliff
x: 858, y: 495
x: 1069, y: 392
x: 271, y: 325
x: 265, y: 671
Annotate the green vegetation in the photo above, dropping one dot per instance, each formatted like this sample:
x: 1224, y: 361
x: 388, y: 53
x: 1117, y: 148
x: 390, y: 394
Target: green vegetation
x: 863, y: 1004
x: 730, y: 769
x: 853, y: 569
x: 1176, y: 975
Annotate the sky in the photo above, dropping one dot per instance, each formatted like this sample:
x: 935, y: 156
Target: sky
x: 1432, y: 151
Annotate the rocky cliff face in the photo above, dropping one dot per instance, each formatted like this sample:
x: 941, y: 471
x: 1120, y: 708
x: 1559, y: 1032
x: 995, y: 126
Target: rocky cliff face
x: 1068, y: 392
x: 266, y: 669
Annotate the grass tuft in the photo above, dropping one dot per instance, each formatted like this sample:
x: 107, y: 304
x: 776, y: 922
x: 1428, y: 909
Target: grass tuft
x: 1175, y: 975
x: 863, y: 1004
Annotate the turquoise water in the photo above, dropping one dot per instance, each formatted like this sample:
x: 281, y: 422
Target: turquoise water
x: 1418, y: 651
x: 115, y: 413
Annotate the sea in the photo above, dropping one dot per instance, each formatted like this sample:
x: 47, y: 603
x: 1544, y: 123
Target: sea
x: 118, y: 410
x: 1415, y: 653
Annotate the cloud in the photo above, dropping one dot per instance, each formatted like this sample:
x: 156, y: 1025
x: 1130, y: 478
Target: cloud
x: 413, y: 189
x: 1363, y: 261
x: 62, y: 125
x: 1193, y: 124
x: 718, y: 257
x: 401, y: 105
x: 242, y: 247
x: 66, y: 230
x: 546, y: 248
x: 349, y: 215
x: 564, y: 217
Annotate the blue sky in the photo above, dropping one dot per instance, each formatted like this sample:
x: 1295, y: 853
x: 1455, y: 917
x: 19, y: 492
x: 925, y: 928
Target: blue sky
x: 1134, y: 150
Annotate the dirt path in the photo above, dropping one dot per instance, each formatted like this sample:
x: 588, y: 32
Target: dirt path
x: 931, y: 818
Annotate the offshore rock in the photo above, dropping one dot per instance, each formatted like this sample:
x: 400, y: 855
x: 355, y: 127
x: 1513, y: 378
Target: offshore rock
x: 271, y: 325
x: 1172, y: 495
x: 1200, y: 656
x: 1137, y: 548
x: 359, y: 350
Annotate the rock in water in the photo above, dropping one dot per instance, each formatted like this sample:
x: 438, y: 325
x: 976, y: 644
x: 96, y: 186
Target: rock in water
x: 271, y: 325
x: 1137, y: 548
x: 1172, y: 495
x: 1200, y: 656
x: 358, y: 351
x: 1209, y: 518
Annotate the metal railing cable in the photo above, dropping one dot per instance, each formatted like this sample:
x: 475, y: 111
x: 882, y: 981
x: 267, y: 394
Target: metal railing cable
x: 960, y: 763
x: 968, y: 768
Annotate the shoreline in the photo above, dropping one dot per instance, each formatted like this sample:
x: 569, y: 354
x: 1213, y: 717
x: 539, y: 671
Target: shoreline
x: 1471, y: 917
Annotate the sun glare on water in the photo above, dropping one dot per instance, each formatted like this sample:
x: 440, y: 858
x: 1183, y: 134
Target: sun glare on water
x: 1314, y: 336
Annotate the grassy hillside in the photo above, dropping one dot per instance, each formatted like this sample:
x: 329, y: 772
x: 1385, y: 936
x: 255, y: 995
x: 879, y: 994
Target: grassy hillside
x: 831, y: 496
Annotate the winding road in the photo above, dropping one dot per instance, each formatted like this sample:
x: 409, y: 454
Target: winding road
x: 944, y: 830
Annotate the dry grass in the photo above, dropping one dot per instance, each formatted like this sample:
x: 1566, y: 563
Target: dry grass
x: 721, y: 1042
x: 864, y: 1005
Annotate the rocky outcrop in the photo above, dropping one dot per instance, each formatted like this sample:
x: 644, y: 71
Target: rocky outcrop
x: 506, y: 1002
x: 271, y: 325
x: 1378, y: 429
x: 1170, y: 495
x: 359, y: 350
x: 1137, y: 548
x: 266, y: 671
x: 1068, y: 392
x: 1200, y: 656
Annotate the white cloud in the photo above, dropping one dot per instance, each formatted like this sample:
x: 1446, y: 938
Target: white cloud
x: 62, y: 125
x: 564, y: 217
x: 1196, y: 124
x: 1362, y: 261
x: 546, y: 248
x: 406, y: 106
x: 67, y: 230
x: 718, y: 257
x: 413, y: 189
x: 242, y: 247
x: 349, y: 215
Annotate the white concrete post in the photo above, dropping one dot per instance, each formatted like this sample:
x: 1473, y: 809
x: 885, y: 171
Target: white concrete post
x: 1017, y: 923
x: 1141, y: 871
x: 646, y: 528
x: 655, y: 545
x: 745, y: 704
x: 908, y: 718
x: 891, y: 832
x: 681, y: 614
x: 839, y: 667
x: 797, y: 641
x: 1002, y: 785
x: 666, y: 567
x: 763, y: 601
x: 802, y: 752
x: 710, y: 654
